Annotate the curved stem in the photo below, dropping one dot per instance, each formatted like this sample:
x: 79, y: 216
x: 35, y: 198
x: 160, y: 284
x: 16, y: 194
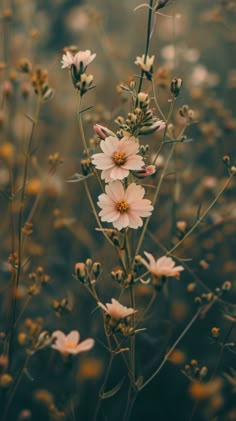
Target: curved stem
x: 171, y: 350
x: 203, y: 215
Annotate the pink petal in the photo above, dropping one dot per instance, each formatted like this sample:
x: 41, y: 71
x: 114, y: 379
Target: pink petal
x: 151, y: 259
x: 109, y: 145
x: 86, y: 345
x: 134, y: 162
x: 122, y: 222
x: 115, y: 191
x: 134, y: 192
x: 73, y: 337
x: 134, y: 220
x: 118, y: 173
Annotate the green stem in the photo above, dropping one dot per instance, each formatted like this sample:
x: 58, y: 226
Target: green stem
x: 149, y: 28
x: 203, y: 215
x: 171, y: 350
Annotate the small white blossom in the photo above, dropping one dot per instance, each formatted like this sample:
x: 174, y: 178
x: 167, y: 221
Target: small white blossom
x: 69, y: 344
x: 116, y: 310
x: 164, y: 266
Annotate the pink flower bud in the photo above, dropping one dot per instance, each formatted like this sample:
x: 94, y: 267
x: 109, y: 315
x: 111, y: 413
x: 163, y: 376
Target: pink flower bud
x: 146, y: 171
x: 102, y: 131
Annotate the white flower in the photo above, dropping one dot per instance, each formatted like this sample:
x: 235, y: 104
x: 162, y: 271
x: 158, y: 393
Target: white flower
x: 116, y: 310
x: 67, y: 60
x: 164, y: 266
x: 145, y: 66
x: 124, y: 208
x: 69, y: 344
x: 118, y: 158
x: 80, y: 60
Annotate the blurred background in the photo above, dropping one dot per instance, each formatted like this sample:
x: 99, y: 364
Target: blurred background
x: 194, y: 40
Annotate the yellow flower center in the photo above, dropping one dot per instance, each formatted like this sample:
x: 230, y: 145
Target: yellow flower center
x: 119, y: 158
x: 122, y: 206
x: 71, y: 345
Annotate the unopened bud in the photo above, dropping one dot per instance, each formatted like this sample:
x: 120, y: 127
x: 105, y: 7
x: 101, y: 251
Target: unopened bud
x: 96, y: 268
x: 81, y: 272
x: 161, y: 4
x: 102, y: 131
x: 175, y: 86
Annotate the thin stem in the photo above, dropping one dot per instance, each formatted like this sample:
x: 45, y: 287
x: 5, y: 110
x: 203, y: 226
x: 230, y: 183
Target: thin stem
x: 102, y: 389
x: 203, y: 215
x: 15, y: 387
x: 171, y: 350
x: 20, y: 223
x: 149, y: 28
x: 155, y: 198
x: 95, y: 212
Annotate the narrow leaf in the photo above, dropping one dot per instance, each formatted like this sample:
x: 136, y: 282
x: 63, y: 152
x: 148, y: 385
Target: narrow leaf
x: 112, y: 392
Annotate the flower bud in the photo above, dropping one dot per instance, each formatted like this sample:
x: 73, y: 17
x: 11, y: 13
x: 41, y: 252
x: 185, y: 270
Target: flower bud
x: 103, y: 132
x: 146, y: 171
x: 81, y: 272
x: 161, y: 4
x: 175, y: 86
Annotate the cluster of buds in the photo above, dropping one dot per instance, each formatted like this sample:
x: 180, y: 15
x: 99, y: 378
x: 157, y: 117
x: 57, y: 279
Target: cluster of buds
x: 33, y: 337
x: 39, y: 80
x: 88, y: 272
x: 123, y: 279
x: 62, y: 307
x: 194, y: 371
x: 141, y: 121
x: 186, y: 113
x: 27, y: 229
x: 54, y: 161
x: 208, y: 297
x: 37, y: 279
x: 77, y: 64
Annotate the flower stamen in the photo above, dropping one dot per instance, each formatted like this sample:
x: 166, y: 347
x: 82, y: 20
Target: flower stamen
x: 119, y: 158
x: 122, y: 206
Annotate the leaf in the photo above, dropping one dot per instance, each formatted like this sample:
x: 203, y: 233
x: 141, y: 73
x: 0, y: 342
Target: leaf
x: 75, y: 178
x: 139, y: 381
x: 112, y: 392
x: 28, y: 375
x: 86, y: 109
x: 30, y: 118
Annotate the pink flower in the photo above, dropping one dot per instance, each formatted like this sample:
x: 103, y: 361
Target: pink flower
x: 124, y: 208
x: 116, y: 310
x: 80, y: 60
x: 118, y: 158
x: 164, y: 266
x: 69, y: 344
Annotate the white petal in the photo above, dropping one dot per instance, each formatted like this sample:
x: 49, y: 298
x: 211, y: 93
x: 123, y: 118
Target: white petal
x: 86, y: 345
x: 73, y: 337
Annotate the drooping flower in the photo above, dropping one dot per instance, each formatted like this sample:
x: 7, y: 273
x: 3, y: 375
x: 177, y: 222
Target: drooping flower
x: 116, y: 310
x: 162, y: 267
x: 69, y: 344
x: 118, y: 158
x: 124, y: 208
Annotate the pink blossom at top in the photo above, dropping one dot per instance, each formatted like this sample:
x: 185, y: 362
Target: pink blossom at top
x: 164, y: 266
x: 124, y: 208
x: 116, y: 310
x: 80, y: 60
x: 69, y: 344
x: 118, y: 158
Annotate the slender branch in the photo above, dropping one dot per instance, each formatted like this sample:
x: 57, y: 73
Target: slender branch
x: 171, y: 350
